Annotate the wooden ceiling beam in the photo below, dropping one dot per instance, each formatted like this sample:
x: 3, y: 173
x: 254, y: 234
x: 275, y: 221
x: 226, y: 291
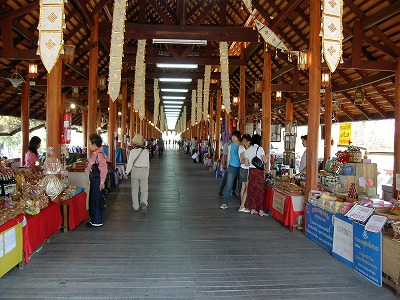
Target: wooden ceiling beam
x: 206, y: 11
x: 383, y: 94
x: 99, y: 7
x: 359, y: 107
x: 362, y: 82
x: 381, y: 15
x: 210, y: 33
x: 80, y: 5
x: 284, y: 14
x: 222, y: 12
x: 159, y: 10
x: 27, y: 33
x: 20, y: 12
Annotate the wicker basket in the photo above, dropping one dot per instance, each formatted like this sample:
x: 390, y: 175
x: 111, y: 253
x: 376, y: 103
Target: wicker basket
x: 355, y: 156
x: 396, y: 228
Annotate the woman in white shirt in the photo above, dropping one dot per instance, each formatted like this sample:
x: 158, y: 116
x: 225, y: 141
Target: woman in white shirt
x: 139, y: 164
x: 255, y: 190
x: 244, y: 171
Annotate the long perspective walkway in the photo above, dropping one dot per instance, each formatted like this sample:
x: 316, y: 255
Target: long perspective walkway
x: 185, y: 247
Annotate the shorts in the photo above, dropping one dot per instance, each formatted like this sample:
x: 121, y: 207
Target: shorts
x: 244, y: 174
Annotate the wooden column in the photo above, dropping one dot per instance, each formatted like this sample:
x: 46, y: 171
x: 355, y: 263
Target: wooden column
x: 289, y: 110
x: 328, y: 124
x: 228, y: 126
x: 131, y: 120
x: 53, y: 111
x: 25, y: 118
x: 211, y: 110
x: 396, y: 167
x: 266, y: 106
x: 314, y: 97
x: 84, y: 125
x: 218, y: 125
x: 92, y: 87
x: 124, y: 113
x: 98, y: 123
x: 112, y: 130
x: 242, y: 93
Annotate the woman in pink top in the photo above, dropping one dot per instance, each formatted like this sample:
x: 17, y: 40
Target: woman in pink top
x: 97, y: 169
x: 31, y: 156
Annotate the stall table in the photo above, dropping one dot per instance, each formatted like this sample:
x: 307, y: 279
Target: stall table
x: 80, y: 179
x: 74, y: 211
x: 11, y: 244
x: 283, y: 207
x: 39, y: 228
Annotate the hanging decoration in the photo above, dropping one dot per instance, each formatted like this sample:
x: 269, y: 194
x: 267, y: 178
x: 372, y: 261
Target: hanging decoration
x: 140, y: 80
x: 332, y: 32
x: 51, y: 25
x: 162, y: 119
x: 199, y: 108
x: 269, y: 36
x: 193, y: 114
x: 116, y: 49
x: 156, y: 101
x: 184, y: 119
x: 226, y: 97
x: 207, y: 80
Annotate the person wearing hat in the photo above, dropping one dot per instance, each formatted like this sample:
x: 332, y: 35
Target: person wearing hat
x: 138, y: 164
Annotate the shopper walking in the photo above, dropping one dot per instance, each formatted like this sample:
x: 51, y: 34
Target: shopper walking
x: 233, y: 163
x: 160, y: 144
x: 256, y: 182
x: 138, y: 164
x: 32, y: 160
x: 97, y: 169
x: 244, y: 171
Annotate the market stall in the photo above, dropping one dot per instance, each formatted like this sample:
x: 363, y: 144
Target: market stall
x: 284, y: 207
x: 74, y: 211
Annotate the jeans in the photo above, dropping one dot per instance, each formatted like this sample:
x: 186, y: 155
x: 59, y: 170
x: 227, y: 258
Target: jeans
x: 233, y: 173
x: 223, y: 183
x: 95, y: 201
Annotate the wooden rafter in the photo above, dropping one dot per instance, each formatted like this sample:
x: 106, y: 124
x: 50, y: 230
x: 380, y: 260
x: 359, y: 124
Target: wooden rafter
x: 161, y: 12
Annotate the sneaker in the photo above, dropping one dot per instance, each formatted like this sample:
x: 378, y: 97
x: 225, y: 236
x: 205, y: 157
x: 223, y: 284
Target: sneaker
x: 254, y: 212
x: 221, y: 195
x: 244, y: 210
x: 136, y: 210
x: 223, y: 206
x: 143, y: 206
x: 263, y: 214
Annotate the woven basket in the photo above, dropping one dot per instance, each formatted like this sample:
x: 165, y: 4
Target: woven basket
x: 390, y: 259
x: 355, y: 156
x: 396, y: 228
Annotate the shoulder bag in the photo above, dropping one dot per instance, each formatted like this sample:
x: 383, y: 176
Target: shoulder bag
x: 257, y: 162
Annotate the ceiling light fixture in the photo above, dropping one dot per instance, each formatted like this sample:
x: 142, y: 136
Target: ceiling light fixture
x: 174, y: 97
x: 178, y: 41
x: 178, y: 66
x: 175, y: 90
x: 173, y: 102
x: 175, y: 79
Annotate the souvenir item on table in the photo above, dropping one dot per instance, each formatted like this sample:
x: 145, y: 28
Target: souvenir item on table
x: 352, y: 195
x: 27, y: 175
x: 8, y: 211
x: 52, y: 185
x: 31, y: 198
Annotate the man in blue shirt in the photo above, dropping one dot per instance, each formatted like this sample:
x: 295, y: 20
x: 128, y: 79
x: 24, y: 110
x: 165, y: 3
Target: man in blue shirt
x: 233, y: 162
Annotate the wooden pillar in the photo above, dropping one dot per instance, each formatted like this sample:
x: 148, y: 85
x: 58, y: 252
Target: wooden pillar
x: 218, y: 125
x: 98, y: 123
x: 92, y: 87
x: 242, y: 93
x: 328, y: 124
x: 131, y: 120
x: 289, y: 110
x: 112, y: 130
x: 314, y: 97
x: 266, y: 105
x: 25, y: 118
x: 211, y: 110
x: 53, y: 111
x: 84, y: 125
x: 228, y: 126
x: 124, y: 114
x: 396, y: 167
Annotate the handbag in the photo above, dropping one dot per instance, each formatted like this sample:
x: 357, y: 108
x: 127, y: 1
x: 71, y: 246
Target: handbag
x: 257, y: 162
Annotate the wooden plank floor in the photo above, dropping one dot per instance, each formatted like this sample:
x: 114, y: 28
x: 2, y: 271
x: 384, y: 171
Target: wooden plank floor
x: 185, y: 247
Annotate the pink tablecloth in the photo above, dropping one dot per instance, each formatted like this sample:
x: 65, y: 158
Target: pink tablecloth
x: 77, y: 210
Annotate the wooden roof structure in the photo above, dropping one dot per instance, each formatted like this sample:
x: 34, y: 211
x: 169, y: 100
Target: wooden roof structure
x: 371, y: 44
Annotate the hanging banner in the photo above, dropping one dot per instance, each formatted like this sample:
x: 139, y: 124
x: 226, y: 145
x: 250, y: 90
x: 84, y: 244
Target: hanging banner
x: 51, y: 25
x: 345, y: 134
x: 332, y: 30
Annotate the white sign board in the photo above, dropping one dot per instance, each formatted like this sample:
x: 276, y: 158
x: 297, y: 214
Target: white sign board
x: 1, y: 246
x: 343, y: 239
x: 375, y: 223
x: 360, y: 213
x: 278, y: 202
x: 10, y: 240
x: 397, y: 182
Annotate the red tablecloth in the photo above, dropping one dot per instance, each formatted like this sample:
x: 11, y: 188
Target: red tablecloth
x: 11, y: 223
x: 40, y: 227
x: 288, y: 218
x: 77, y: 210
